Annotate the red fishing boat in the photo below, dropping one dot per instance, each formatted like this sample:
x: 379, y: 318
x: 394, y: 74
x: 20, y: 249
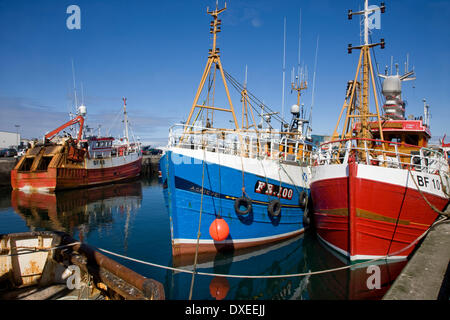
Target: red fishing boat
x: 66, y: 162
x: 377, y: 186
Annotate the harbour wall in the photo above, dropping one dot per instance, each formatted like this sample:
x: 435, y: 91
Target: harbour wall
x: 150, y: 165
x: 6, y: 165
x: 426, y: 276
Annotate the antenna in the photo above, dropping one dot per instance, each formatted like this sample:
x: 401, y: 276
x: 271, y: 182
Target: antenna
x: 125, y: 118
x: 361, y: 27
x: 74, y: 87
x: 292, y: 76
x: 314, y: 86
x: 392, y: 63
x: 426, y: 113
x: 245, y: 82
x: 299, y: 84
x: 407, y: 62
x: 82, y: 94
x: 284, y: 69
x: 299, y: 47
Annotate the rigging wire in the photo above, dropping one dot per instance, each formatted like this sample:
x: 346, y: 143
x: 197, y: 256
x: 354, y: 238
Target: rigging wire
x: 378, y: 82
x: 313, y: 87
x: 115, y: 121
x: 239, y: 87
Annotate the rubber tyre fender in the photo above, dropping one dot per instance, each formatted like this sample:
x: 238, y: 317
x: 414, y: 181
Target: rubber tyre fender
x: 274, y: 208
x: 245, y: 202
x: 302, y: 199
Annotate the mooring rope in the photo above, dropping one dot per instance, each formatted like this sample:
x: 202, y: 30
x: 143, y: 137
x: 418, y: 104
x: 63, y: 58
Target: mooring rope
x: 444, y: 188
x: 426, y: 200
x: 199, y: 225
x: 443, y: 220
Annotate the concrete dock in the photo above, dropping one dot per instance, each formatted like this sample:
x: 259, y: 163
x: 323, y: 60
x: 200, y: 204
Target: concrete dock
x: 426, y: 275
x: 150, y: 165
x: 6, y: 165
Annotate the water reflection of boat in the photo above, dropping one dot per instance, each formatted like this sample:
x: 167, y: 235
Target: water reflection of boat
x: 82, y: 209
x: 279, y: 258
x: 347, y: 284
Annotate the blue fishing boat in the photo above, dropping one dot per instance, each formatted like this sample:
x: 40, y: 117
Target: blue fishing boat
x: 234, y: 188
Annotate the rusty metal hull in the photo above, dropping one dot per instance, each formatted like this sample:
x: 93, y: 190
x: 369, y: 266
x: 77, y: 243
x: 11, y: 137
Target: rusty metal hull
x: 27, y: 261
x: 60, y: 178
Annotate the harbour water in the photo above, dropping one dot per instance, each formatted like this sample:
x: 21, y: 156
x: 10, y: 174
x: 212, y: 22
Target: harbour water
x: 131, y: 219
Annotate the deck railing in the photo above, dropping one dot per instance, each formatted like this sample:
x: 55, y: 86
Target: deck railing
x: 247, y: 143
x: 371, y: 152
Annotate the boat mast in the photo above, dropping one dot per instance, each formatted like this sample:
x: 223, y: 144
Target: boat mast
x: 298, y: 87
x: 300, y: 84
x: 284, y: 74
x: 125, y: 118
x: 213, y: 60
x: 359, y: 110
x: 74, y: 86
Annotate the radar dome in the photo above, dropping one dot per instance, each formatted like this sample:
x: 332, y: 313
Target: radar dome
x: 82, y: 110
x: 295, y: 109
x: 392, y: 86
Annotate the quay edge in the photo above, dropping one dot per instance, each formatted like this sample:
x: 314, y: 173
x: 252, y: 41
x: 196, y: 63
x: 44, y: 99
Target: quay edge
x: 6, y: 165
x: 426, y: 275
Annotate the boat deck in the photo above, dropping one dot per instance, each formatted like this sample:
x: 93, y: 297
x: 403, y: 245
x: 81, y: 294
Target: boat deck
x: 52, y: 292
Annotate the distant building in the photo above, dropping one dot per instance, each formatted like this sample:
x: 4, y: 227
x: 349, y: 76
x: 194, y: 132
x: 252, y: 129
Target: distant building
x: 9, y: 139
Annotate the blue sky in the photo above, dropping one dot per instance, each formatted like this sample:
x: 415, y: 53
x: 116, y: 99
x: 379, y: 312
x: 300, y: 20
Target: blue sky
x: 154, y: 52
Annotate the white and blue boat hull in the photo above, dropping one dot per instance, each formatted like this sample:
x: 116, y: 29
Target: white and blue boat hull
x: 222, y: 177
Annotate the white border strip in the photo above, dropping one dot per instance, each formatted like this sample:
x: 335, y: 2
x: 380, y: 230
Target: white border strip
x: 360, y: 256
x: 194, y: 241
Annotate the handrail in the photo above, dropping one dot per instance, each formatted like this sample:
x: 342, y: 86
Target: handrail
x: 240, y: 131
x: 246, y: 143
x: 372, y: 140
x: 424, y: 159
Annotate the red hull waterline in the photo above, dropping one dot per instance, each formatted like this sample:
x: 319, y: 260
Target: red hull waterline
x: 54, y: 179
x: 367, y: 219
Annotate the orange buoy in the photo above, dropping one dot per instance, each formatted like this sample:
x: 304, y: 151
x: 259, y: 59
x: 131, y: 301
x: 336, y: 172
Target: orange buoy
x: 219, y: 229
x: 219, y: 287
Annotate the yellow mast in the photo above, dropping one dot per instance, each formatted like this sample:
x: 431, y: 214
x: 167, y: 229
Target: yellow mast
x: 356, y: 104
x: 302, y: 85
x: 213, y: 60
x: 244, y: 99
